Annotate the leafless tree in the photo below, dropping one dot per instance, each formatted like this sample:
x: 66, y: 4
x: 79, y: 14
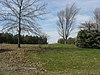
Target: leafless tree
x: 21, y: 15
x: 97, y: 18
x: 66, y: 20
x: 87, y: 26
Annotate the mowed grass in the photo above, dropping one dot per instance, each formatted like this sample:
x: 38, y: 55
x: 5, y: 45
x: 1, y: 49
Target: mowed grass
x: 58, y: 59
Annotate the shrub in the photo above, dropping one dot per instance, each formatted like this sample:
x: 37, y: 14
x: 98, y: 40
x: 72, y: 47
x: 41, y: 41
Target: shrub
x: 61, y: 41
x: 69, y: 41
x: 88, y: 39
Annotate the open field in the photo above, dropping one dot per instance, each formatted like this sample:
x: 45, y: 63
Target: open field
x: 54, y: 59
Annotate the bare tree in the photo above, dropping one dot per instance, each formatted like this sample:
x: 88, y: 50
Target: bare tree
x: 21, y: 15
x: 87, y: 26
x: 97, y: 18
x: 66, y: 20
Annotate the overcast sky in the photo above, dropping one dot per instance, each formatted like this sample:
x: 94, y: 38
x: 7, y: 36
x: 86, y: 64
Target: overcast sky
x: 86, y: 12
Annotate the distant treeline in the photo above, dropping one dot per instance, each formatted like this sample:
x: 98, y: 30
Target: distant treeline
x: 25, y: 39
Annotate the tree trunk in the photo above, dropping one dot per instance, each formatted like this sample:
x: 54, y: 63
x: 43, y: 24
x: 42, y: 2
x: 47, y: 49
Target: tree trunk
x: 65, y: 41
x: 19, y: 36
x: 19, y: 32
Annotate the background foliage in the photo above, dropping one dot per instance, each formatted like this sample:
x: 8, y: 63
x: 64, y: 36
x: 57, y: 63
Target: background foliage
x: 13, y: 39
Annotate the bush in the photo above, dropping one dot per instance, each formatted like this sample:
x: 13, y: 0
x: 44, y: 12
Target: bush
x: 61, y: 41
x: 69, y: 41
x: 88, y: 39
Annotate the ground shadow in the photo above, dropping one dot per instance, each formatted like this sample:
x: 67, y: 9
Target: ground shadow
x: 4, y: 50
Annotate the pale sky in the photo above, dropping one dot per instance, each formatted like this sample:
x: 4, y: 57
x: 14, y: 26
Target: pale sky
x: 86, y: 13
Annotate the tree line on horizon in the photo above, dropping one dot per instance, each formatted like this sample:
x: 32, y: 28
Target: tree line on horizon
x: 25, y: 39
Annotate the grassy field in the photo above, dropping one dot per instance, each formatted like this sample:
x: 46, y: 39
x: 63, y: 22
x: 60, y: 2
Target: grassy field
x: 54, y: 59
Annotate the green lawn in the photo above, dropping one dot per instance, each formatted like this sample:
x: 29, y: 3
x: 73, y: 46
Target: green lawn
x: 54, y: 59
